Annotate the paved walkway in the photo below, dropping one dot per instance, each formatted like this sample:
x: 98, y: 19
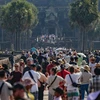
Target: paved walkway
x: 46, y: 95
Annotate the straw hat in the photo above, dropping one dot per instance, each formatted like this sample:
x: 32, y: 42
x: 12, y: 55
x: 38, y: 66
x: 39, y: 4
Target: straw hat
x: 60, y: 61
x: 28, y: 81
x: 84, y: 62
x: 87, y: 68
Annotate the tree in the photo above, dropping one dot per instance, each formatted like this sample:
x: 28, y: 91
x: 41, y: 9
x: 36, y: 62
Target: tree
x: 18, y: 16
x: 94, y: 34
x: 83, y: 13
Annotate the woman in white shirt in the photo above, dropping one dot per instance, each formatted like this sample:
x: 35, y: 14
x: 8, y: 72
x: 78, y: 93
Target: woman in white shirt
x: 54, y: 82
x: 72, y: 92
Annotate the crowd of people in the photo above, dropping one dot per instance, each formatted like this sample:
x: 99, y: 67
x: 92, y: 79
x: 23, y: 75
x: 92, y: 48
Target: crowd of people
x: 66, y: 74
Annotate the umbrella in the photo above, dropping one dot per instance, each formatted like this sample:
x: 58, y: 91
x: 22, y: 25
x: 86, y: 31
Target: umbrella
x: 82, y: 54
x: 60, y: 49
x: 34, y: 50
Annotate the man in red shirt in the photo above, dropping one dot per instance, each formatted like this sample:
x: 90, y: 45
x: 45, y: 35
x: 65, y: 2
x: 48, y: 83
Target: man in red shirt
x: 63, y: 72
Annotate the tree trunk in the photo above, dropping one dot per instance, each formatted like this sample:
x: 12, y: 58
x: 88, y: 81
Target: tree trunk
x: 12, y: 42
x: 18, y: 39
x: 84, y: 39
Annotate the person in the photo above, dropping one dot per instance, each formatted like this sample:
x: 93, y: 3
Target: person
x: 72, y: 92
x: 92, y: 65
x: 35, y: 76
x: 58, y: 93
x: 28, y: 82
x: 44, y: 65
x: 85, y: 78
x: 94, y: 84
x: 76, y: 59
x: 34, y: 55
x: 16, y: 75
x: 7, y: 73
x: 41, y: 82
x: 50, y: 66
x: 54, y: 82
x: 12, y: 60
x: 5, y: 88
x: 5, y: 68
x: 72, y: 61
x: 40, y: 58
x: 22, y: 65
x: 63, y: 73
x: 23, y: 57
x: 29, y: 62
x: 19, y: 92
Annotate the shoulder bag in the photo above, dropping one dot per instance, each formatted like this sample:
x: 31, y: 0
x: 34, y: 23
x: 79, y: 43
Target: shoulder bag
x: 52, y: 82
x: 31, y: 76
x: 74, y: 84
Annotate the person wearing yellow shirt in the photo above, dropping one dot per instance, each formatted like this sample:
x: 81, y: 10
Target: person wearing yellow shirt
x: 28, y: 83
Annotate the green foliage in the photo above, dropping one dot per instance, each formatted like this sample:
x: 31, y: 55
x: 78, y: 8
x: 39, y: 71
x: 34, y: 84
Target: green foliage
x: 18, y: 16
x: 94, y: 33
x: 83, y: 12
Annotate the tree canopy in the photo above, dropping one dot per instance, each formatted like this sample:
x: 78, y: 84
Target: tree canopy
x: 18, y: 16
x: 83, y: 12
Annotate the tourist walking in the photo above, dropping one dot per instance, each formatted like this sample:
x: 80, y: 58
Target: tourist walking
x: 73, y: 91
x: 54, y: 82
x: 35, y: 76
x: 85, y: 79
x: 41, y: 83
x: 5, y: 88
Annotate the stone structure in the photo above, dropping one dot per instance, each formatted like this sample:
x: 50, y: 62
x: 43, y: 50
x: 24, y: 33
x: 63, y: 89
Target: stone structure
x: 53, y: 19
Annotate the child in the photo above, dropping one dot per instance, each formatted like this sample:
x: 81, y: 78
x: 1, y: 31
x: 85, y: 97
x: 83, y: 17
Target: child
x: 58, y: 93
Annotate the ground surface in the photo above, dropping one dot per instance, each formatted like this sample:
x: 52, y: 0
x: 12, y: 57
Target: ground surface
x: 46, y: 95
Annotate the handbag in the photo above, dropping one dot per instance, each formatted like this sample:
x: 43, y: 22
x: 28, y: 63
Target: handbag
x: 74, y: 84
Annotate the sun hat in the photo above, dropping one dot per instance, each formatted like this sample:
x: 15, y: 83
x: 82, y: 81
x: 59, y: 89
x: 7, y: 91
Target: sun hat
x: 87, y: 68
x: 59, y: 90
x: 28, y: 81
x: 84, y: 62
x: 60, y: 61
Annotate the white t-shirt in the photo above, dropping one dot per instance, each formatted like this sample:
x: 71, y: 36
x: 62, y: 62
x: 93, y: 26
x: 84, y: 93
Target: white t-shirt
x: 5, y: 92
x: 36, y: 76
x: 55, y: 84
x: 92, y: 66
x: 75, y: 77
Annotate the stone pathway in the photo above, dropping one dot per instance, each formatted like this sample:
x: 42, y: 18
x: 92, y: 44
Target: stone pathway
x: 46, y: 95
